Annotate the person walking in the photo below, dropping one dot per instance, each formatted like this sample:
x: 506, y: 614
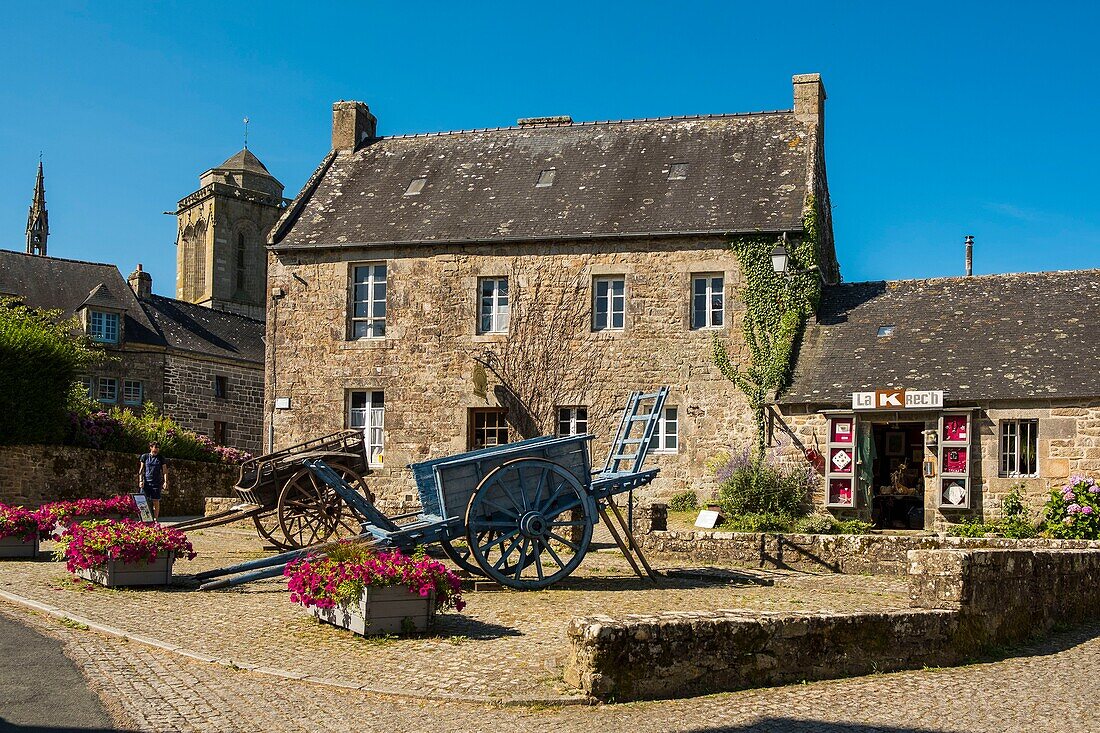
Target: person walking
x: 153, y: 477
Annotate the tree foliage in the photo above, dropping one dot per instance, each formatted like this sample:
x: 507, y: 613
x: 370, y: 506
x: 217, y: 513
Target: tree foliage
x: 41, y: 356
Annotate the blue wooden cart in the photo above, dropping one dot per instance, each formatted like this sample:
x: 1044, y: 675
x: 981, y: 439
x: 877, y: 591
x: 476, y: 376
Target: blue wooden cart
x: 521, y: 514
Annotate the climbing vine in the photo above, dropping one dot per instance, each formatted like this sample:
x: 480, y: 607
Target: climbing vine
x: 776, y: 310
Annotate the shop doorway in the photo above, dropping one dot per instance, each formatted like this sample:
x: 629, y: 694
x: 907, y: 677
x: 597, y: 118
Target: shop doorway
x: 897, y: 479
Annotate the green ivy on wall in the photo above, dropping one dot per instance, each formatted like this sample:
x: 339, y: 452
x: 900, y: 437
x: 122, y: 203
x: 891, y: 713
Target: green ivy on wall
x: 776, y: 310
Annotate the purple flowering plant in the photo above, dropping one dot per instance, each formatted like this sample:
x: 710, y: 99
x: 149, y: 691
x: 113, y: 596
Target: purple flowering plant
x: 340, y: 577
x: 1073, y: 510
x: 94, y: 543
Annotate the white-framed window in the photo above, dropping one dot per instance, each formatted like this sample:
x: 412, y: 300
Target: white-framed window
x: 492, y: 310
x: 108, y: 389
x: 131, y: 391
x: 368, y: 301
x: 1019, y: 448
x: 666, y: 438
x: 572, y: 421
x: 103, y: 327
x: 488, y: 427
x: 708, y: 301
x: 608, y: 303
x: 367, y: 411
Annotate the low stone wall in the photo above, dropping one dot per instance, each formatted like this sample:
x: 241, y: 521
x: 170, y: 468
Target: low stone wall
x: 31, y: 475
x: 850, y: 554
x: 964, y: 601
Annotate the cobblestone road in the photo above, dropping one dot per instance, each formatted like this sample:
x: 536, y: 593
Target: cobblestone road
x: 1046, y: 687
x: 506, y: 645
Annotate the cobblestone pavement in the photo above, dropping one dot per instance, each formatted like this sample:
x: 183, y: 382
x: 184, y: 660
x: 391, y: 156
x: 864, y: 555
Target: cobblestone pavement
x: 505, y: 646
x: 1043, y: 688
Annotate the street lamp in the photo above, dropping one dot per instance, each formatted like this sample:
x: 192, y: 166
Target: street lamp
x: 781, y: 262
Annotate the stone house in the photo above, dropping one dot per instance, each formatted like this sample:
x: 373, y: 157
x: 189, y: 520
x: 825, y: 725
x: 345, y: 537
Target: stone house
x: 202, y: 367
x: 929, y: 400
x: 452, y: 290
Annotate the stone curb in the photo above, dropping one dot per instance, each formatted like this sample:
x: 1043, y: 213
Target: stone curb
x: 285, y: 674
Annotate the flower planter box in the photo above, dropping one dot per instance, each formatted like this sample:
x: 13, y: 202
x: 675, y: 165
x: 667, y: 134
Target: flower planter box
x: 11, y: 547
x: 117, y: 573
x: 389, y: 609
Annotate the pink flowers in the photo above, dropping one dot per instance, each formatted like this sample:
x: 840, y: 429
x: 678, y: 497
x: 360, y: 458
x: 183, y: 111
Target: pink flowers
x: 1073, y: 511
x: 15, y: 521
x: 341, y: 577
x: 93, y: 543
x: 67, y: 512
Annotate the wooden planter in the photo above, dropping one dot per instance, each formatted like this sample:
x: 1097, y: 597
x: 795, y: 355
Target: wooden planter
x: 117, y: 573
x: 389, y: 609
x: 11, y: 547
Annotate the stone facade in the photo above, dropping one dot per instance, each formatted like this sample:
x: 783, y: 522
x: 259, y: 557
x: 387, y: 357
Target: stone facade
x: 1068, y: 443
x: 964, y: 603
x: 190, y: 398
x: 31, y: 475
x: 425, y: 365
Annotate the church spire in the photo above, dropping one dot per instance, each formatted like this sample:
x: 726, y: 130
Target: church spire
x: 38, y: 219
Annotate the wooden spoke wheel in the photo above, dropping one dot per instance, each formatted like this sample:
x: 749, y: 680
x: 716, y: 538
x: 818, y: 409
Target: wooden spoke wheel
x: 308, y: 511
x: 523, y: 522
x: 348, y: 525
x: 267, y: 525
x: 459, y: 552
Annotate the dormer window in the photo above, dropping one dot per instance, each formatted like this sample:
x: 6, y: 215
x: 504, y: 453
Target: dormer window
x: 416, y: 186
x: 546, y: 179
x: 103, y: 327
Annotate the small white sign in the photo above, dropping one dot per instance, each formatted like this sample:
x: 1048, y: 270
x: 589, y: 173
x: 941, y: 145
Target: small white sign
x: 143, y: 507
x: 282, y: 403
x: 708, y: 519
x: 898, y: 399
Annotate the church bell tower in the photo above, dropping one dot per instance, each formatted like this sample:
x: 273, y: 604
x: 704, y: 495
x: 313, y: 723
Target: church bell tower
x: 221, y: 255
x: 38, y: 219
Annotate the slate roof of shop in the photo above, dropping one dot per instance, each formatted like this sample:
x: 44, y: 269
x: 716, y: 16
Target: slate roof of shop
x: 55, y: 283
x: 745, y: 172
x: 991, y: 337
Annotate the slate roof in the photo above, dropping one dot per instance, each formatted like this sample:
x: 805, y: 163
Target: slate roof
x: 991, y: 337
x: 244, y: 160
x: 198, y: 329
x: 54, y: 283
x: 746, y: 172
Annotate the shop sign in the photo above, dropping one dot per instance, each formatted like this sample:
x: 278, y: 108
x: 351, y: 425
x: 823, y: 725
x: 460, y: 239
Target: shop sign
x: 897, y: 399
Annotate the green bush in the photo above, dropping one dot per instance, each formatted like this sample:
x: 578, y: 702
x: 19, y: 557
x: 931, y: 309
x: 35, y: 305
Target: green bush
x: 760, y: 522
x: 853, y: 526
x: 816, y: 524
x: 684, y: 501
x: 759, y: 487
x: 1073, y: 511
x: 41, y: 357
x: 972, y: 527
x: 1017, y: 528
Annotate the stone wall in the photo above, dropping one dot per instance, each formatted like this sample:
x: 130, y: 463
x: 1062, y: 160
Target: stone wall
x: 31, y: 475
x: 965, y: 602
x: 876, y: 554
x: 1068, y: 443
x: 131, y: 362
x: 425, y: 363
x: 189, y: 399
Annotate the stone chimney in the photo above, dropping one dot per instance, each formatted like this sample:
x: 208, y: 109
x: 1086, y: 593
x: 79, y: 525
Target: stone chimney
x: 352, y: 123
x: 141, y: 282
x: 809, y: 99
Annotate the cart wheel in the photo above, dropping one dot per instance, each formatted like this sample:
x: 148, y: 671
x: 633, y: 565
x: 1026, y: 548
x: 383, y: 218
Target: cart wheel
x: 308, y: 511
x: 267, y: 525
x: 518, y: 520
x: 348, y: 524
x: 460, y: 554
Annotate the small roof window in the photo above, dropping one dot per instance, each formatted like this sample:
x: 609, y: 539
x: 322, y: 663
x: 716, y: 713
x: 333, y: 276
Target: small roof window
x: 546, y: 179
x: 678, y: 171
x: 884, y: 331
x: 416, y: 186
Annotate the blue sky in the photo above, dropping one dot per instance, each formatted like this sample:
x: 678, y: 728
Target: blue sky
x: 943, y: 119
